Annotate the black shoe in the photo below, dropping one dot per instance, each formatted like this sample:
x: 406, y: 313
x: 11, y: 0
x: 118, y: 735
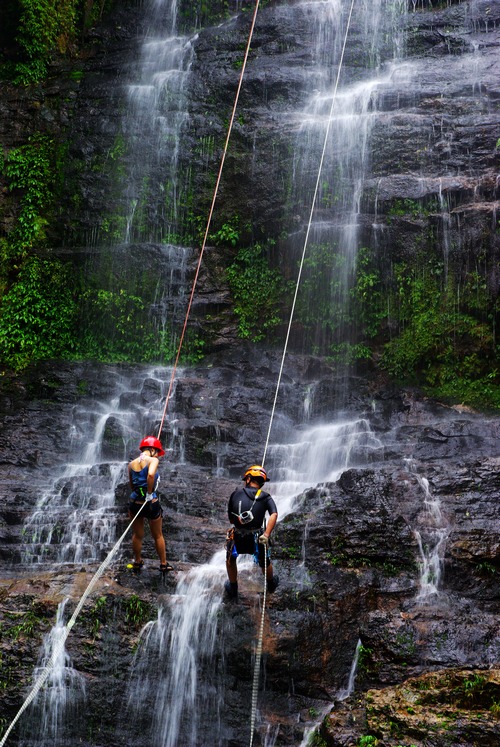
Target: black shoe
x: 273, y: 584
x: 231, y: 590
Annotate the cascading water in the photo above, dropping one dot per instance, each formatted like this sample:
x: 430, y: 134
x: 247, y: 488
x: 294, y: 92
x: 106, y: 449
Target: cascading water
x: 431, y: 538
x: 56, y: 715
x: 75, y: 519
x: 153, y: 127
x: 346, y: 113
x: 179, y: 666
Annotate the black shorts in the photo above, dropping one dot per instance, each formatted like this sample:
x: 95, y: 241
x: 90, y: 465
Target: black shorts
x: 151, y: 511
x: 247, y: 544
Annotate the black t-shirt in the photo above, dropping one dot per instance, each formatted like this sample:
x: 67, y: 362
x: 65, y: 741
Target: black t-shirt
x: 244, y: 499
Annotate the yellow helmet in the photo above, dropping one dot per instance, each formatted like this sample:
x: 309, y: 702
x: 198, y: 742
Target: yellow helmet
x: 256, y: 471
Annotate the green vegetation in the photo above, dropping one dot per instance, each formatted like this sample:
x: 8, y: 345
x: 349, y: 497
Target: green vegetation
x: 37, y: 314
x: 137, y: 612
x: 35, y: 32
x: 197, y: 13
x: 258, y: 292
x: 30, y: 169
x: 98, y: 615
x: 367, y: 741
x: 445, y: 339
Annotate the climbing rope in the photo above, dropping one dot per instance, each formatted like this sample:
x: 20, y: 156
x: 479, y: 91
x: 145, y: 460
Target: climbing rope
x: 258, y: 656
x: 209, y: 221
x: 59, y: 646
x: 273, y: 409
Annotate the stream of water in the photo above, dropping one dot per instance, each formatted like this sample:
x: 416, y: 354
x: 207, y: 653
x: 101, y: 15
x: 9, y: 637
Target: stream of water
x: 56, y: 716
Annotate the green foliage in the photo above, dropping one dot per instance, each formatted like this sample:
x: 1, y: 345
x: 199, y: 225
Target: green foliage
x: 367, y: 741
x: 258, y: 292
x: 369, y: 304
x: 227, y: 235
x: 196, y: 13
x: 442, y: 343
x: 37, y: 314
x: 98, y: 615
x: 321, y: 302
x: 25, y: 627
x: 113, y: 327
x: 473, y: 688
x: 46, y: 27
x: 137, y: 611
x: 316, y: 740
x: 30, y: 169
x: 365, y: 654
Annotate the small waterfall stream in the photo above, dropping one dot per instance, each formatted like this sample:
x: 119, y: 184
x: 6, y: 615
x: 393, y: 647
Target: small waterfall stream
x: 153, y: 127
x: 431, y: 537
x: 75, y: 519
x: 348, y: 113
x: 55, y: 717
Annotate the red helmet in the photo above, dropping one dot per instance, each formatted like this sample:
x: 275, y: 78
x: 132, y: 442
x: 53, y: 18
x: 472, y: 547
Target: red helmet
x: 150, y: 442
x: 256, y: 471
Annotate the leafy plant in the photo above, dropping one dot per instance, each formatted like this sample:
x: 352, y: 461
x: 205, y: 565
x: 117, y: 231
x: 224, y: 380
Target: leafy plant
x: 136, y: 610
x: 228, y: 234
x: 367, y: 741
x: 45, y: 28
x: 29, y: 169
x: 37, y: 314
x: 258, y: 292
x: 98, y: 615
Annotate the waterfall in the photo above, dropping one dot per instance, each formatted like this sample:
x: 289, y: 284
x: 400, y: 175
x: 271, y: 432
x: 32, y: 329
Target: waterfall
x: 178, y: 668
x: 347, y: 113
x: 431, y: 538
x: 343, y: 694
x: 153, y: 127
x: 55, y: 718
x: 318, y: 454
x: 74, y: 521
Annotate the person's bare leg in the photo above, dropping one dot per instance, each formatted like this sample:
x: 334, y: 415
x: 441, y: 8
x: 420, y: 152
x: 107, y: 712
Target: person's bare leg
x: 158, y: 538
x: 137, y: 537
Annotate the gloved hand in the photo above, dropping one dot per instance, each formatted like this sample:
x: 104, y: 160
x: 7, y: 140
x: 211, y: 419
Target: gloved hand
x: 264, y: 540
x: 150, y: 497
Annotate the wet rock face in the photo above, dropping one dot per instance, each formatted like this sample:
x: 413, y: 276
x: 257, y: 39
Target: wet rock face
x: 351, y: 556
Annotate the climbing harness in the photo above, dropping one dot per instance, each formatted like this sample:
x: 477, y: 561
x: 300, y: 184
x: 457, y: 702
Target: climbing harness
x: 209, y: 221
x: 306, y: 241
x: 58, y: 648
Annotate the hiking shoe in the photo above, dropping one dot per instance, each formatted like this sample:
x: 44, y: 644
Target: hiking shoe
x: 231, y: 590
x: 273, y: 584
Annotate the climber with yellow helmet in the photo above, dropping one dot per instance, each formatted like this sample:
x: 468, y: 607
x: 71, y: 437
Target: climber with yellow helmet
x: 250, y: 534
x: 144, y: 478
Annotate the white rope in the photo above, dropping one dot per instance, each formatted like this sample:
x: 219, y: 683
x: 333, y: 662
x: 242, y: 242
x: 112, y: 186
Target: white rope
x: 58, y: 648
x: 258, y: 656
x: 313, y: 204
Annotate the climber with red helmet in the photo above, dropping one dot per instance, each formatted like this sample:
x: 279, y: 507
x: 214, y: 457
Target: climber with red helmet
x: 144, y: 478
x: 250, y: 534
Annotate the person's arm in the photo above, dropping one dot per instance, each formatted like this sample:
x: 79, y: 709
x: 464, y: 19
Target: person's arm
x: 130, y: 477
x: 271, y: 524
x: 153, y: 466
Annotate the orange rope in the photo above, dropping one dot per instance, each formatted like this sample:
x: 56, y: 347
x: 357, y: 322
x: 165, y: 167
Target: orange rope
x: 181, y: 340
